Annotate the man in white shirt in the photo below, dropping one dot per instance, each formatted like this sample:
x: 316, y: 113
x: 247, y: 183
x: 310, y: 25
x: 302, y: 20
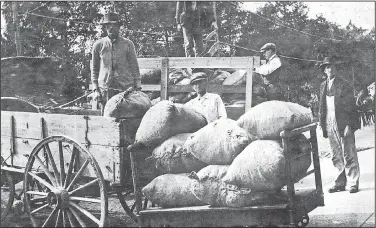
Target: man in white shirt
x: 208, y: 104
x: 270, y: 72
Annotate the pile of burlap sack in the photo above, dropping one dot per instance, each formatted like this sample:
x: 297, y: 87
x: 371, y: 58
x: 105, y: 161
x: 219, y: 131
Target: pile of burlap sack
x: 226, y: 162
x: 215, y: 76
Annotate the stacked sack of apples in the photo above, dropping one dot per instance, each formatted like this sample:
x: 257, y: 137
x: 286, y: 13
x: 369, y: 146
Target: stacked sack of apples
x: 223, y: 163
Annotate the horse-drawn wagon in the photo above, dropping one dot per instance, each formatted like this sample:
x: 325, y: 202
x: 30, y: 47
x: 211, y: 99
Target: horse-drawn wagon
x: 70, y: 164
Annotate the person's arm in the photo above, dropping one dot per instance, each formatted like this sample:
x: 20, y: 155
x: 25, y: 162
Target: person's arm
x: 95, y: 65
x: 221, y: 108
x: 135, y: 70
x: 269, y: 68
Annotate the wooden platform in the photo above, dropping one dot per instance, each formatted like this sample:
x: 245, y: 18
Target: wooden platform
x: 205, y: 216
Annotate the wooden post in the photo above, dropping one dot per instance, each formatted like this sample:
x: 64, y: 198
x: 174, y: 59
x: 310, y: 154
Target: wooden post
x: 353, y: 77
x: 16, y: 28
x: 164, y: 79
x: 249, y: 84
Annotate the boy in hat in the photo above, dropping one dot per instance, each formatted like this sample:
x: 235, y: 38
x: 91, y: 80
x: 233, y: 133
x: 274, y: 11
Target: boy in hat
x: 270, y: 72
x: 208, y: 104
x: 114, y: 62
x: 339, y: 120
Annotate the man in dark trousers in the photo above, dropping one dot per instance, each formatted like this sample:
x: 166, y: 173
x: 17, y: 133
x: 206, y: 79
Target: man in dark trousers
x: 114, y: 66
x: 193, y: 17
x: 339, y: 120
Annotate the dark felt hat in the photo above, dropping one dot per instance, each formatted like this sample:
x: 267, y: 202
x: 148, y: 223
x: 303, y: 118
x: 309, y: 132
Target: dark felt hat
x: 198, y: 77
x: 326, y: 61
x: 110, y: 18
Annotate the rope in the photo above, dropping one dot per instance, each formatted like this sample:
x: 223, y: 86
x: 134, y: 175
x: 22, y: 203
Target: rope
x: 70, y: 102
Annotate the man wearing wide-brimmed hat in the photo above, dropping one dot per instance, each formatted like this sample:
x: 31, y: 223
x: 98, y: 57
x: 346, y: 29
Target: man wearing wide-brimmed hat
x: 114, y: 65
x: 208, y: 104
x: 270, y: 72
x: 339, y: 120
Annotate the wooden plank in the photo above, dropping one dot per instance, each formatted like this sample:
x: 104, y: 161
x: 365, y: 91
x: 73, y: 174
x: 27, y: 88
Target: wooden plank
x: 209, y: 62
x: 248, y: 93
x: 164, y: 79
x: 149, y: 63
x: 297, y: 131
x: 106, y: 156
x: 97, y: 130
x: 212, y: 88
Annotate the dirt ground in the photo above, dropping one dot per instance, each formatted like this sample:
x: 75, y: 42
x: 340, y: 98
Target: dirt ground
x: 365, y: 139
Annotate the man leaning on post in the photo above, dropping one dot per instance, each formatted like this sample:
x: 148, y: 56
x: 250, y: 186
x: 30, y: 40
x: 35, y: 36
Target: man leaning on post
x: 114, y: 62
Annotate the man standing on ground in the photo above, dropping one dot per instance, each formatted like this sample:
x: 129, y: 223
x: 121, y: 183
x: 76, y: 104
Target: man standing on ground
x: 339, y: 120
x: 194, y: 16
x: 114, y: 62
x: 270, y: 72
x: 208, y: 104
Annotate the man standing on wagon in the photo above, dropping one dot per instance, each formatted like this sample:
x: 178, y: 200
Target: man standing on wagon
x: 114, y: 66
x: 270, y: 72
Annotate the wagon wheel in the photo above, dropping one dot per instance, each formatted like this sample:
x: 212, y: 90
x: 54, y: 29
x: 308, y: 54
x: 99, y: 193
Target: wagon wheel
x: 7, y: 192
x: 64, y: 204
x: 128, y: 202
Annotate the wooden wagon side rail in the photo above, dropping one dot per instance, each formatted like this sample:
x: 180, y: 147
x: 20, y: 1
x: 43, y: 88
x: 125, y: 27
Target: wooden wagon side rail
x: 164, y: 64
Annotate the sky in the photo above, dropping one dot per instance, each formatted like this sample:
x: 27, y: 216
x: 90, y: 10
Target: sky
x: 361, y: 14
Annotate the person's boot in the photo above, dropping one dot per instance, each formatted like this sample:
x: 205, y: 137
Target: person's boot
x: 336, y: 189
x: 354, y: 189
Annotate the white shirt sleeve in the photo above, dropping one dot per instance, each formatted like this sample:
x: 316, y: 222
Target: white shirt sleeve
x: 221, y: 108
x: 269, y: 67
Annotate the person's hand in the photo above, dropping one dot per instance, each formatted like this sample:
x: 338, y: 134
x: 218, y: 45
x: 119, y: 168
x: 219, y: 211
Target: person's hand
x: 97, y: 96
x: 179, y: 27
x: 215, y: 26
x: 347, y: 131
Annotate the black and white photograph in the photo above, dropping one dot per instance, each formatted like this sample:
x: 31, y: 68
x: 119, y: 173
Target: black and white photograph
x: 188, y: 113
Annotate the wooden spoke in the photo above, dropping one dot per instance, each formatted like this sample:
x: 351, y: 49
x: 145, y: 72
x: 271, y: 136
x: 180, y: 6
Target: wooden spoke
x: 77, y: 216
x: 37, y: 193
x: 85, y: 212
x: 46, y: 171
x: 49, y: 217
x: 83, y: 186
x: 72, y: 222
x: 61, y: 159
x: 85, y: 199
x: 58, y: 218
x: 70, y: 167
x: 52, y: 161
x: 64, y: 218
x: 41, y: 180
x: 39, y: 208
x: 83, y: 167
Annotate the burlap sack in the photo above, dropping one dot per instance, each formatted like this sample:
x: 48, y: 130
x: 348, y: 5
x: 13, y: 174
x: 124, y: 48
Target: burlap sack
x: 126, y: 104
x: 208, y: 187
x: 171, y: 157
x: 268, y: 119
x: 261, y: 166
x: 150, y: 76
x: 171, y: 190
x: 166, y: 119
x: 218, y: 143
